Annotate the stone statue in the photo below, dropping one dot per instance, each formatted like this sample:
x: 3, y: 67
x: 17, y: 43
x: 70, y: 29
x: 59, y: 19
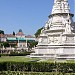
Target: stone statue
x: 68, y: 24
x: 47, y: 25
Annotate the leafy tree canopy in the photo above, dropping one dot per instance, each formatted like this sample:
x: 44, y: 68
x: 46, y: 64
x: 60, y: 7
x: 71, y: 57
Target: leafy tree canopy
x: 13, y: 33
x: 38, y: 32
x: 1, y: 32
x: 6, y: 44
x: 32, y: 44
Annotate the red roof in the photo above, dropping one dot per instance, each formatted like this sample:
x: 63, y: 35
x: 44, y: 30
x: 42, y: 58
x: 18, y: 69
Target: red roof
x: 20, y: 33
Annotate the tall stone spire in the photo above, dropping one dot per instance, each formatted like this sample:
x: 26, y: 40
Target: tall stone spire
x: 60, y: 6
x: 56, y: 1
x: 59, y: 15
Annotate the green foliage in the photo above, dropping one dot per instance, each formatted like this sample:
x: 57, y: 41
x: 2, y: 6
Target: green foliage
x: 4, y: 54
x: 37, y: 67
x: 38, y: 32
x: 20, y: 63
x: 16, y: 54
x: 25, y: 66
x: 32, y: 44
x: 13, y: 33
x: 19, y: 54
x: 1, y: 32
x: 6, y: 44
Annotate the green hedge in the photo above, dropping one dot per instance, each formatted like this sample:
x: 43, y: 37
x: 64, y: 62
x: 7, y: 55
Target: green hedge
x: 4, y: 54
x: 16, y: 54
x: 26, y: 66
x: 19, y: 54
x: 37, y: 67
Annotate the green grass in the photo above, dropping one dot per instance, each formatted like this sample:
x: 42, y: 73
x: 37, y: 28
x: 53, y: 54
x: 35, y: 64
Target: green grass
x: 16, y: 59
x: 22, y: 59
x: 71, y: 61
x: 26, y: 59
x: 61, y: 61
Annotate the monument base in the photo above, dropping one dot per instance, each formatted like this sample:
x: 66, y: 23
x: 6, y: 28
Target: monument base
x: 55, y: 52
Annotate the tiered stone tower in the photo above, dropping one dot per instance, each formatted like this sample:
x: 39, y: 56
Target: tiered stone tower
x: 57, y: 38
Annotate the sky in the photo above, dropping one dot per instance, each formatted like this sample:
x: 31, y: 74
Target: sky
x: 28, y: 15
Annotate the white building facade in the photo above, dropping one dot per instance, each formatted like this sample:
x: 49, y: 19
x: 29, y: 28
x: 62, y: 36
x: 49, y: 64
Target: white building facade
x: 57, y: 38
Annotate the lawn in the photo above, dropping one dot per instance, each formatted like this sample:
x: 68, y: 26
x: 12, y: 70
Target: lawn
x: 27, y: 59
x: 22, y: 59
x: 17, y: 58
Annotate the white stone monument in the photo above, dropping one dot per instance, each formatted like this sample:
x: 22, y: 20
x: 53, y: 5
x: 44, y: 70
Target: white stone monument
x: 57, y: 38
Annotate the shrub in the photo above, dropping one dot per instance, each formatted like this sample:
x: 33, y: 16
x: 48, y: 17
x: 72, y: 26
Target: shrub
x: 4, y: 54
x: 19, y: 54
x: 37, y: 67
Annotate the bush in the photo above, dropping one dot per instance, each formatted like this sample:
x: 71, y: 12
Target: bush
x: 26, y: 66
x: 19, y: 54
x: 37, y: 67
x: 6, y: 44
x: 4, y: 54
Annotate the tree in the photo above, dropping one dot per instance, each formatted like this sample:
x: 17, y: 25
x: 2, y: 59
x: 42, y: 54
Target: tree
x: 13, y: 33
x: 6, y: 44
x: 32, y: 44
x: 1, y: 32
x: 38, y: 32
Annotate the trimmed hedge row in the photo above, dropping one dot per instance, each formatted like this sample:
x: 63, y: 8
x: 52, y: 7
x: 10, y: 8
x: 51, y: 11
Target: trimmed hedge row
x: 19, y: 54
x: 26, y: 66
x: 16, y: 54
x: 37, y: 67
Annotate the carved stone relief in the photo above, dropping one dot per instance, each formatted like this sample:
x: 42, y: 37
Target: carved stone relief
x: 70, y: 39
x: 43, y: 40
x: 40, y: 40
x: 53, y: 40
